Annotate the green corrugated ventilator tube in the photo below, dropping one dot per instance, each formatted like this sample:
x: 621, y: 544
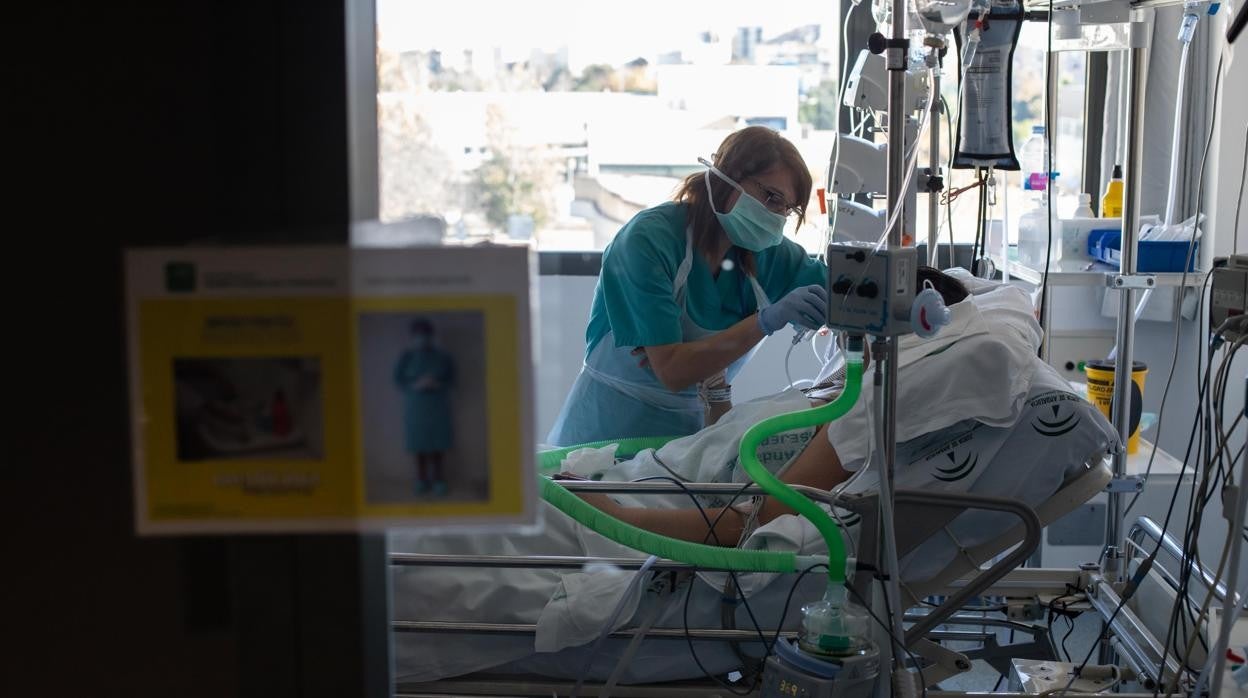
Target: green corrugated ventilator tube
x: 712, y: 556
x: 772, y: 485
x: 640, y: 539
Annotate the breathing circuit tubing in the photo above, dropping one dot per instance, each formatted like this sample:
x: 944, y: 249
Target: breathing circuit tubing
x: 733, y: 559
x: 755, y: 435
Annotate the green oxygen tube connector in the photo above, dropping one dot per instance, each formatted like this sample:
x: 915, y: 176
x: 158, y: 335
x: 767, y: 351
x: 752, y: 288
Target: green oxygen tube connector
x: 773, y: 486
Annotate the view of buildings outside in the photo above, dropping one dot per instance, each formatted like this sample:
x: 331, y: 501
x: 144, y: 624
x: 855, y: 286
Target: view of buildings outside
x: 558, y: 127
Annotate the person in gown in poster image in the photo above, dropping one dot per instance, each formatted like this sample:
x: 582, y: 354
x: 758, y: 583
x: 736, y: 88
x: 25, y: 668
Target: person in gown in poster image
x: 688, y: 290
x: 425, y: 375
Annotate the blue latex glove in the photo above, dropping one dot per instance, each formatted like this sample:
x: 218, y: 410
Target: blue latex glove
x: 803, y: 307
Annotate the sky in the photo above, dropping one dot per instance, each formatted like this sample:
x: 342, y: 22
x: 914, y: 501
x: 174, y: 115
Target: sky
x: 594, y: 30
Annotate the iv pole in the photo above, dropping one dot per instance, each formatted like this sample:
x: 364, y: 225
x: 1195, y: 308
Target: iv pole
x: 895, y: 54
x: 933, y: 171
x: 1128, y: 281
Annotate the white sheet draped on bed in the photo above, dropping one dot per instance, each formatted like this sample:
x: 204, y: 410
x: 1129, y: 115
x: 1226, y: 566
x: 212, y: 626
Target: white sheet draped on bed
x: 570, y: 609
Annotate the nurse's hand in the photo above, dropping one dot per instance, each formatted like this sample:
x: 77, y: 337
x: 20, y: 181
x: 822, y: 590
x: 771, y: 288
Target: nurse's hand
x: 804, y: 307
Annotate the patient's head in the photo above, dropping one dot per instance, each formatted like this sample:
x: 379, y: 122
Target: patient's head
x: 949, y: 288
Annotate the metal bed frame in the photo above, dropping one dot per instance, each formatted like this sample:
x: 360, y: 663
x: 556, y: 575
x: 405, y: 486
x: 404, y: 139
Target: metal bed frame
x: 925, y: 626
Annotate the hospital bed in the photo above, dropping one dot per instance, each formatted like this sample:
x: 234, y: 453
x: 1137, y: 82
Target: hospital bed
x: 725, y: 641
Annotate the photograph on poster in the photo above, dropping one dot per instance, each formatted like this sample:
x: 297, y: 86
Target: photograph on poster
x: 236, y: 408
x: 423, y: 410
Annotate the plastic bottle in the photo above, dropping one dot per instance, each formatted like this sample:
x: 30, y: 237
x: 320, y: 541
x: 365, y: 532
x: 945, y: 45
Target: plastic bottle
x: 1034, y: 161
x: 1111, y: 203
x: 1033, y: 236
x: 834, y: 625
x: 1084, y: 209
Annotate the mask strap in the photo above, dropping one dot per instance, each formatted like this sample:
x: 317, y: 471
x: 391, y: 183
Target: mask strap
x: 710, y: 195
x: 721, y: 175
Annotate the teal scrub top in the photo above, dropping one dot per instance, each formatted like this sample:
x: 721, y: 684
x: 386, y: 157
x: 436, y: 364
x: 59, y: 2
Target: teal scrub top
x: 635, y: 300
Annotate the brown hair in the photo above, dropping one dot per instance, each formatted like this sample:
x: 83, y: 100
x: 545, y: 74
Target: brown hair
x: 743, y: 153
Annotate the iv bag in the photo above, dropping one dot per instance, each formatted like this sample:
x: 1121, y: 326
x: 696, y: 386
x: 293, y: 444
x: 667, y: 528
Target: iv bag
x: 940, y: 16
x: 986, y: 111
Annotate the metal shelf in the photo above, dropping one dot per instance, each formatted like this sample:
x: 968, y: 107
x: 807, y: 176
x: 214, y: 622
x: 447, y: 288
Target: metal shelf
x: 1092, y: 276
x: 1163, y: 464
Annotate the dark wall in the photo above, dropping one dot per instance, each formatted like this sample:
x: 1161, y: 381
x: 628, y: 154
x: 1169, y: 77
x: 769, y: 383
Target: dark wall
x: 138, y: 124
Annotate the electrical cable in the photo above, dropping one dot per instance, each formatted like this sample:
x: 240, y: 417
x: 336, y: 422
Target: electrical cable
x: 650, y: 561
x: 1193, y: 513
x: 1065, y: 651
x: 693, y: 580
x: 1194, y: 532
x: 693, y: 653
x: 1239, y: 199
x: 710, y: 534
x: 981, y: 209
x: 949, y: 169
x: 788, y: 600
x: 1222, y: 474
x: 1073, y: 594
x: 1133, y: 583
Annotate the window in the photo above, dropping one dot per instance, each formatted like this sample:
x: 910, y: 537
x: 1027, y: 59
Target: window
x: 557, y: 122
x: 1028, y: 110
x: 497, y: 122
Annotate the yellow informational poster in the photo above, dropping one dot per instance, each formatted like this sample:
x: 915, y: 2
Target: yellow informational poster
x: 322, y: 389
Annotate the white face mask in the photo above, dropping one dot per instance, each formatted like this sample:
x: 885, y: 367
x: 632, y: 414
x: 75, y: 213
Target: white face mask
x: 749, y: 224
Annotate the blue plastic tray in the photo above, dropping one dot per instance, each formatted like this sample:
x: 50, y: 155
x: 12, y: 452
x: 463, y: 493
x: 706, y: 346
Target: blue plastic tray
x: 1152, y: 255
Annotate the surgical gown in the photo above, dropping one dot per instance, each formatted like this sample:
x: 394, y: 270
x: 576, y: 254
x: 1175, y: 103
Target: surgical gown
x: 426, y: 411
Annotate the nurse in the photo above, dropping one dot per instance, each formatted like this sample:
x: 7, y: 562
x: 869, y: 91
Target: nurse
x: 689, y: 288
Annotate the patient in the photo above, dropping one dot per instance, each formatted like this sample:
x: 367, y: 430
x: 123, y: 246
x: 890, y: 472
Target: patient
x: 818, y: 465
x: 975, y: 407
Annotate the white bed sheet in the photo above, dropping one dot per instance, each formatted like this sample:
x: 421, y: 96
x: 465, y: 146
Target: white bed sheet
x: 570, y: 609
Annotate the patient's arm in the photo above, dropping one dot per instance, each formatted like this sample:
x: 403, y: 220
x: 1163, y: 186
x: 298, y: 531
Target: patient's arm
x: 817, y: 466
